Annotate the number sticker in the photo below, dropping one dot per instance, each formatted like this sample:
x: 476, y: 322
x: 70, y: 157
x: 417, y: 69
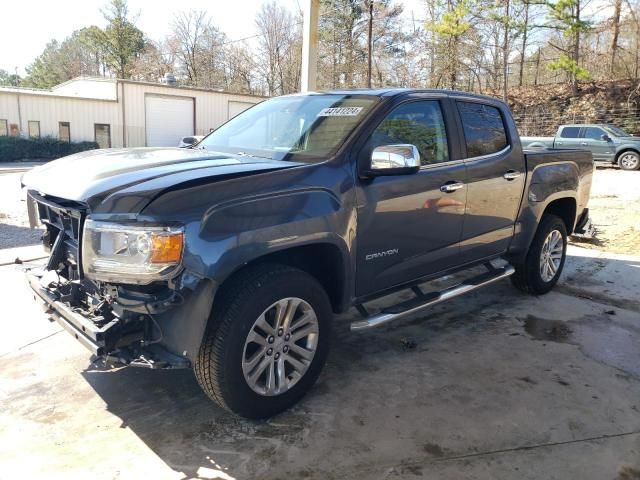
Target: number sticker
x: 340, y: 112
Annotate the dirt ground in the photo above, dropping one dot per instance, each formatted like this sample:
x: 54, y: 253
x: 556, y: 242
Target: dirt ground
x: 496, y: 385
x: 615, y: 211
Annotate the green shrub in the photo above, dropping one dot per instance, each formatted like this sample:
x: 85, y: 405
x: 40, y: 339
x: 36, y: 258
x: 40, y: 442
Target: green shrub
x: 15, y: 149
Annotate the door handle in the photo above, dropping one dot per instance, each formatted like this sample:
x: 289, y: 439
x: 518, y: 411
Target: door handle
x: 511, y: 174
x: 583, y: 143
x: 451, y: 187
x: 558, y: 143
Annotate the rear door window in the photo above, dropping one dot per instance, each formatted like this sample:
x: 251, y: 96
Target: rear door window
x: 570, y: 132
x: 484, y: 129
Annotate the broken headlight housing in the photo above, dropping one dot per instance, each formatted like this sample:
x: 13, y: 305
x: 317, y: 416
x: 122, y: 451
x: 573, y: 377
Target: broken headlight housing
x: 120, y: 253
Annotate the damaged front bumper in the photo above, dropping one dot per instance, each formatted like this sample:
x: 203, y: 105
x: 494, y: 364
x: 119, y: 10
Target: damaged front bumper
x: 109, y: 338
x: 81, y: 327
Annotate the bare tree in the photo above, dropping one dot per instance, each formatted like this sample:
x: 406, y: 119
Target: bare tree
x: 280, y: 40
x: 188, y: 30
x: 615, y: 20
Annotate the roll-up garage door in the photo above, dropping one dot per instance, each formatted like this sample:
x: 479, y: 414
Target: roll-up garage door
x: 236, y: 108
x: 168, y: 119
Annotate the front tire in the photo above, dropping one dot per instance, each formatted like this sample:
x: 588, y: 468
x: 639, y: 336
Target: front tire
x: 545, y: 260
x: 267, y: 341
x: 629, y: 161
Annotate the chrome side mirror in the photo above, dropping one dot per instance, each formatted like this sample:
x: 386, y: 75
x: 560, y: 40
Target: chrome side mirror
x: 395, y: 160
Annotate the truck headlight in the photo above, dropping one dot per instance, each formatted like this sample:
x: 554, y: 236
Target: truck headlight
x: 119, y: 253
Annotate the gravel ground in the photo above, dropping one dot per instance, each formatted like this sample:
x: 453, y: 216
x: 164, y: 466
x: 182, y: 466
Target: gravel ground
x: 615, y: 211
x: 14, y: 223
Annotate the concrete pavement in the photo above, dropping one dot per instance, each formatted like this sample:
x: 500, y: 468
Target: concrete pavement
x: 495, y: 385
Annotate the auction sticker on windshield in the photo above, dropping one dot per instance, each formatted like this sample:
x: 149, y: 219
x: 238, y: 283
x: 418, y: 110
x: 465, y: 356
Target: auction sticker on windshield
x: 340, y: 112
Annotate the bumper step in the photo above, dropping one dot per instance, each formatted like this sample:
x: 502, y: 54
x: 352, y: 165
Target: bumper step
x: 424, y: 300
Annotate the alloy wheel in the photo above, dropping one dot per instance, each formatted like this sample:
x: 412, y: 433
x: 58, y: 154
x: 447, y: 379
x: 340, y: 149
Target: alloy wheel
x: 280, y: 346
x: 551, y: 255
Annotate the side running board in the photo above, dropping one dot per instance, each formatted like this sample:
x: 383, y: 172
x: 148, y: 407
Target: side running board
x: 424, y: 300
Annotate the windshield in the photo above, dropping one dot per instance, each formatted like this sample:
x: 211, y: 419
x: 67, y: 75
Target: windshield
x: 615, y: 131
x: 301, y: 128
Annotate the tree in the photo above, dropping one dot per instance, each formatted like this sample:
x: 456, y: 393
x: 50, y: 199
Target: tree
x: 566, y: 17
x: 188, y: 30
x: 80, y: 54
x: 280, y: 44
x: 9, y: 79
x: 154, y: 61
x: 449, y: 31
x: 47, y: 69
x: 343, y: 34
x: 241, y: 68
x: 615, y: 20
x: 122, y: 41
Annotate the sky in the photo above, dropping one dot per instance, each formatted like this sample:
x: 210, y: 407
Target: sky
x: 27, y: 25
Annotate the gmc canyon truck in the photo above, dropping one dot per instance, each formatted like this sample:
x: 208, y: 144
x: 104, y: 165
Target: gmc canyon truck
x: 232, y: 256
x: 607, y: 143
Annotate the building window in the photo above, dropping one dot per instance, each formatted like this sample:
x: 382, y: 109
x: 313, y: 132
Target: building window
x: 4, y: 128
x: 103, y: 135
x: 34, y: 129
x: 64, y: 132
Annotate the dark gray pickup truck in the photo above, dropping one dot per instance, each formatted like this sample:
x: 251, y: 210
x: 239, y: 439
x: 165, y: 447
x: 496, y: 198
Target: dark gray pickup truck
x: 607, y: 143
x: 232, y: 256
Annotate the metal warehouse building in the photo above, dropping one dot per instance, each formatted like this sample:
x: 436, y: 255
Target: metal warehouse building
x: 117, y: 113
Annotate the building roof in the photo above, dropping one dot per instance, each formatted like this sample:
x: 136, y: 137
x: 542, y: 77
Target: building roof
x: 100, y: 88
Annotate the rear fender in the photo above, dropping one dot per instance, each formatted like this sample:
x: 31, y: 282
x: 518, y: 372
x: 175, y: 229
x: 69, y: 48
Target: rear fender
x: 549, y: 183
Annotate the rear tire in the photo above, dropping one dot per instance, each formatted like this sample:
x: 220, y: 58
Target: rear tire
x: 251, y: 361
x: 545, y: 259
x: 629, y: 161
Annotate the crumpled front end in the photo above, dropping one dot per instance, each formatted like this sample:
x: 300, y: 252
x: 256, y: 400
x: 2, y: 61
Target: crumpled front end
x: 118, y: 323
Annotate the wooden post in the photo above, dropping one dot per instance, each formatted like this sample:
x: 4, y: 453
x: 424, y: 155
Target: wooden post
x: 310, y: 45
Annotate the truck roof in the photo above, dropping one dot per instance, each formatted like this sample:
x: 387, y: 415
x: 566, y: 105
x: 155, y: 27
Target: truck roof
x: 392, y: 92
x: 586, y: 125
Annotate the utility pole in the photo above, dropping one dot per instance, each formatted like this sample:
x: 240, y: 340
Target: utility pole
x: 505, y: 55
x: 310, y: 45
x: 370, y: 44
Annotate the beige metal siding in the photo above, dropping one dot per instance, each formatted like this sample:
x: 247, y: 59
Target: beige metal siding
x: 9, y: 109
x: 81, y: 114
x: 211, y: 108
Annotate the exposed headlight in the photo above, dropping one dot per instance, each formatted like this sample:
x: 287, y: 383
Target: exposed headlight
x: 118, y: 253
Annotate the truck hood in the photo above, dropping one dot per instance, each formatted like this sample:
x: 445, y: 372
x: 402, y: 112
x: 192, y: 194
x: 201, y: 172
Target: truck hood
x: 92, y: 177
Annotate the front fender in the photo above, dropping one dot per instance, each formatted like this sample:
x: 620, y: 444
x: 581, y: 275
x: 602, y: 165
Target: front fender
x: 235, y: 233
x: 626, y: 147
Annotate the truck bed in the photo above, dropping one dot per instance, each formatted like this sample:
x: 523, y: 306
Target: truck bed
x: 546, y: 141
x: 581, y: 160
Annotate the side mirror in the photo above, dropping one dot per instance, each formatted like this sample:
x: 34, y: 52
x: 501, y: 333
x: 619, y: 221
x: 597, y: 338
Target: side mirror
x: 188, y: 142
x: 605, y: 138
x: 394, y: 160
